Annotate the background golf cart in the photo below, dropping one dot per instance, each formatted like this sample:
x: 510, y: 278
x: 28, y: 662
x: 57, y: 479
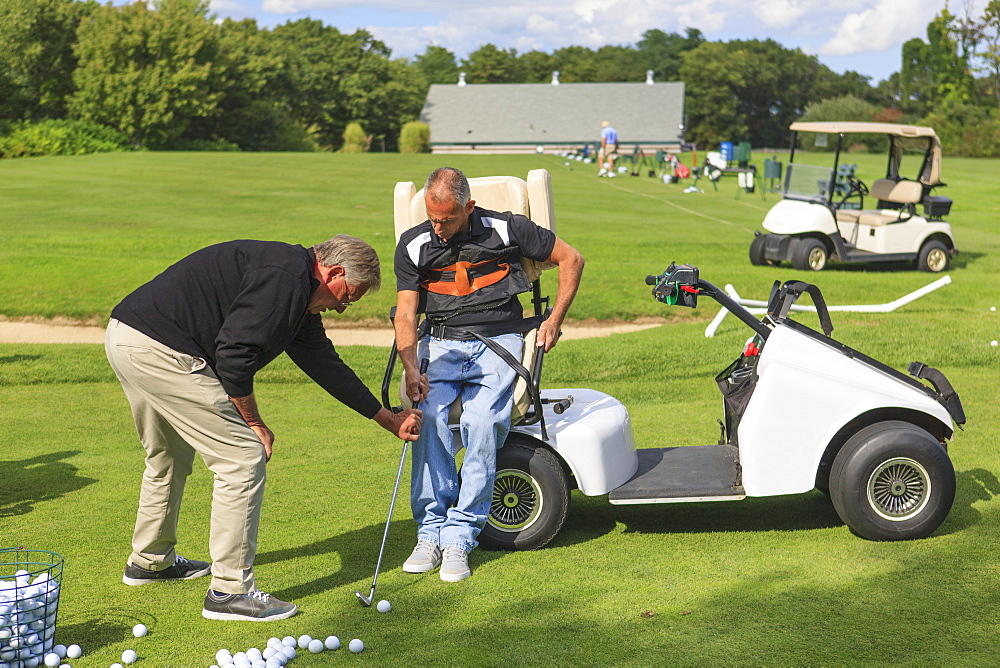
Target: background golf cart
x: 819, y: 219
x: 801, y: 411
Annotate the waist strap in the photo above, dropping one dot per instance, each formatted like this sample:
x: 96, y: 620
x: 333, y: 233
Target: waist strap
x: 474, y: 332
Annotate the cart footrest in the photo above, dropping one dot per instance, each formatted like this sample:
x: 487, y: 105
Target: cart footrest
x: 673, y: 475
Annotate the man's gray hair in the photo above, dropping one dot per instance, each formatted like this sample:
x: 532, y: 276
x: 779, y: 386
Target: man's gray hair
x: 454, y: 184
x: 359, y: 260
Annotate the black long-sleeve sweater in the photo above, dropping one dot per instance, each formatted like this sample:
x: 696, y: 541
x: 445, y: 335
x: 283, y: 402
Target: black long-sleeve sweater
x: 238, y: 305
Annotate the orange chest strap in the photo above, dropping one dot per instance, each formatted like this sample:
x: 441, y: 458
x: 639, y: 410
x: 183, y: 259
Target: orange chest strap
x: 464, y: 278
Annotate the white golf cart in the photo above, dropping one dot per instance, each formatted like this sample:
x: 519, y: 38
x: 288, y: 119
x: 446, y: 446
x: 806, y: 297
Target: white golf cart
x: 801, y: 411
x: 822, y: 214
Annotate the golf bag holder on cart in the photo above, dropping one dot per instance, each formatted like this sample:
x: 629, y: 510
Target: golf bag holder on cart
x: 531, y: 198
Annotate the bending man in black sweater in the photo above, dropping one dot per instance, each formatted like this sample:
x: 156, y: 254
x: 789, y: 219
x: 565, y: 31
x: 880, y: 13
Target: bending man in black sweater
x: 185, y: 347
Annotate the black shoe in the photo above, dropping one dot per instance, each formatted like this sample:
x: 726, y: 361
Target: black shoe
x: 253, y: 607
x: 183, y: 569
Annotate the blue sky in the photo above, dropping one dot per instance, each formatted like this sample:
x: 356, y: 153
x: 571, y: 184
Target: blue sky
x: 861, y: 35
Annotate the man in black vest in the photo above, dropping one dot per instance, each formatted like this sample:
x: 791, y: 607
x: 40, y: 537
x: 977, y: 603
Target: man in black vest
x: 186, y: 347
x: 462, y: 268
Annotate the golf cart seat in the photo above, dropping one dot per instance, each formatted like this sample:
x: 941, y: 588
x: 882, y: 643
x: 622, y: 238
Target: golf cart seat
x: 904, y: 194
x: 532, y: 198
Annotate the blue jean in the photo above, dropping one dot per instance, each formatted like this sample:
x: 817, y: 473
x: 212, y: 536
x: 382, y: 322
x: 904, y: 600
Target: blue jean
x: 449, y: 514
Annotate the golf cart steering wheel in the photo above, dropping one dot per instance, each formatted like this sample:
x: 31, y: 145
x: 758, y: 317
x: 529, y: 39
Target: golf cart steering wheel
x: 857, y: 185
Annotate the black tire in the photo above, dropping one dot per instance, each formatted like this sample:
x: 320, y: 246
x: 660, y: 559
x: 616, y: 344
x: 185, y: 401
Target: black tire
x: 892, y: 481
x: 809, y: 255
x: 757, y: 252
x: 530, y: 499
x: 934, y: 257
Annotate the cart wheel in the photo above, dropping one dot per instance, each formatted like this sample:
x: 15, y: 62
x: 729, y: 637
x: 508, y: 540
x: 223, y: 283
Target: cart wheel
x: 530, y: 499
x: 892, y: 481
x: 757, y: 252
x: 934, y: 257
x: 809, y: 255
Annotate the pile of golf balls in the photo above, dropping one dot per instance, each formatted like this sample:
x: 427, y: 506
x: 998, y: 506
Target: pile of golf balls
x: 27, y: 618
x: 279, y: 651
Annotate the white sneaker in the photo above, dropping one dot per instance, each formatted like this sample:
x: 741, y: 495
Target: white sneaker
x: 455, y: 566
x: 602, y: 172
x: 426, y: 556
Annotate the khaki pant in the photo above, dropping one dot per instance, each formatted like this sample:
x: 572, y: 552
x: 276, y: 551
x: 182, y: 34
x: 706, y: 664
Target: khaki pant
x: 180, y: 409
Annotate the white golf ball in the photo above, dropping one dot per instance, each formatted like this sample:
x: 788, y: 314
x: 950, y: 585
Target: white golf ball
x: 129, y: 656
x: 316, y: 646
x: 139, y: 630
x: 383, y: 606
x: 60, y: 650
x: 74, y: 652
x: 356, y: 646
x: 289, y: 653
x: 116, y: 665
x: 288, y: 641
x: 993, y: 343
x: 253, y: 654
x: 304, y: 641
x: 993, y: 308
x: 52, y: 659
x: 332, y: 642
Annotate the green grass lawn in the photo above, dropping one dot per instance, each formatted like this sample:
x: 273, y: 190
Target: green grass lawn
x: 764, y: 581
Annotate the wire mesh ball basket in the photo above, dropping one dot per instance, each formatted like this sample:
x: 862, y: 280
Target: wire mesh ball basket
x: 29, y: 599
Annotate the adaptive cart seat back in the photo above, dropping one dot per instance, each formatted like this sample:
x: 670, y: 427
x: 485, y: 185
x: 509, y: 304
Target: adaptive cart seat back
x: 532, y: 198
x: 907, y: 193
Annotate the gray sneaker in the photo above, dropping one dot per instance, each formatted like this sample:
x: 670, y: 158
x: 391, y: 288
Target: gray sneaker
x: 182, y: 569
x: 253, y: 607
x: 426, y: 556
x: 455, y: 566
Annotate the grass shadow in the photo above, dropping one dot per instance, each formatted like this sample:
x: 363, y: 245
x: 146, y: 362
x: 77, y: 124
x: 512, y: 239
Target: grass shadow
x: 972, y: 486
x: 27, y: 482
x: 358, y: 552
x: 594, y: 516
x: 15, y: 359
x: 112, y: 627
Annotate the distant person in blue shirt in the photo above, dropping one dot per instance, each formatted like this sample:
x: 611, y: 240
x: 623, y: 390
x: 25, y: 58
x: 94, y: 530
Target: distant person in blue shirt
x: 608, y: 153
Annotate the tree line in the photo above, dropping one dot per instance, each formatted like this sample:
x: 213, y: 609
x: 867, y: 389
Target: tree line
x: 165, y: 74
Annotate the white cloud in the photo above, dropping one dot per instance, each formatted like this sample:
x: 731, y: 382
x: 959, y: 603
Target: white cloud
x: 228, y: 7
x: 889, y: 23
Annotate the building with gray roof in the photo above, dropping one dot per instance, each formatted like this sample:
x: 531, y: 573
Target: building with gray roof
x: 517, y: 118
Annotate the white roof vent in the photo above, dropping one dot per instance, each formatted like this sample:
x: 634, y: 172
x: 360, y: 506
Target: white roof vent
x: 555, y: 77
x: 461, y: 78
x: 649, y: 77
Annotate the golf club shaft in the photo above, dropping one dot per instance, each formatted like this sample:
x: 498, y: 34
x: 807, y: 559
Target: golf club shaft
x: 395, y: 493
x: 388, y: 520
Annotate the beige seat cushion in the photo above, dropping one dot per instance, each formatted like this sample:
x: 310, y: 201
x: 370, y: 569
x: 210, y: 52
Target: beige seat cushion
x: 848, y: 215
x: 879, y: 219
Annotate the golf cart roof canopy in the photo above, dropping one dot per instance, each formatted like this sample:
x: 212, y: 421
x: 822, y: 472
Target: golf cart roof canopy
x: 837, y: 127
x: 901, y: 138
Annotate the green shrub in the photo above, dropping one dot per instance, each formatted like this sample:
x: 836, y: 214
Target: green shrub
x: 60, y: 137
x: 966, y: 130
x: 844, y: 108
x: 355, y: 139
x: 415, y: 137
x: 262, y: 126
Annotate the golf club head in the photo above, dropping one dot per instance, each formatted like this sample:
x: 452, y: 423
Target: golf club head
x: 365, y: 600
